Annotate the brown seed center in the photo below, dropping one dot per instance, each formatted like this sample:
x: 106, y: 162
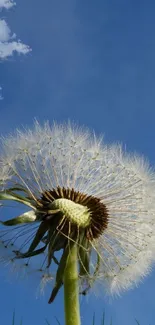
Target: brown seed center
x: 98, y: 211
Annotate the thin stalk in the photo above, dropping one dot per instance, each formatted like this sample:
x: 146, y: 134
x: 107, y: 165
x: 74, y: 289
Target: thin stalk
x: 71, y: 289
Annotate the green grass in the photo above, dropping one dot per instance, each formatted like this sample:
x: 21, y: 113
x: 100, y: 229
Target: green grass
x: 13, y: 319
x: 48, y: 323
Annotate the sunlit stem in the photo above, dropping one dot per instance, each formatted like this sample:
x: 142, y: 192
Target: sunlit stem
x: 71, y: 289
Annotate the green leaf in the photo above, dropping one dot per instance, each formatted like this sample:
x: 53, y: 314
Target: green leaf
x: 39, y: 235
x: 8, y: 195
x: 92, y: 278
x: 55, y: 239
x: 84, y: 258
x: 26, y: 217
x: 60, y: 273
x: 30, y: 254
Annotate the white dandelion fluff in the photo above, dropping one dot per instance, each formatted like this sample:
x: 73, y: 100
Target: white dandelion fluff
x: 79, y: 190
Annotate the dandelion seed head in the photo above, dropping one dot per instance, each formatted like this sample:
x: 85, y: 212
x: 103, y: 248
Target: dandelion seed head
x: 108, y: 194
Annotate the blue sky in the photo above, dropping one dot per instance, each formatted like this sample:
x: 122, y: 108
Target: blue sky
x: 92, y: 62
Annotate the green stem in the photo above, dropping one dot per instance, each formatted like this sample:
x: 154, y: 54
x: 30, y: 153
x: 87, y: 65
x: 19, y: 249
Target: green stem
x: 71, y: 289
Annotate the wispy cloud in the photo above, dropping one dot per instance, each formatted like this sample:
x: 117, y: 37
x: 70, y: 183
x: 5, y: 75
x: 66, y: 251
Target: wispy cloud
x: 7, y: 43
x: 7, y: 4
x: 1, y: 97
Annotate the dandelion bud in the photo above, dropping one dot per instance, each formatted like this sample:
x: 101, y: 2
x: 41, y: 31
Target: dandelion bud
x: 76, y: 213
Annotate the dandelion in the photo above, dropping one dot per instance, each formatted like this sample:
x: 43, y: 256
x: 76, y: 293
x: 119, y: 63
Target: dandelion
x: 89, y: 211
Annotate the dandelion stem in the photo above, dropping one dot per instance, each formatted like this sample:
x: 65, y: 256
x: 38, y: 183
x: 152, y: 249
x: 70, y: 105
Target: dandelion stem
x: 71, y: 291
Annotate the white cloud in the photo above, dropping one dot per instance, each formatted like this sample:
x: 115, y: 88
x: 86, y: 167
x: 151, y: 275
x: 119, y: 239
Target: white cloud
x: 7, y: 4
x: 0, y: 93
x: 7, y: 49
x: 7, y: 44
x: 5, y: 33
